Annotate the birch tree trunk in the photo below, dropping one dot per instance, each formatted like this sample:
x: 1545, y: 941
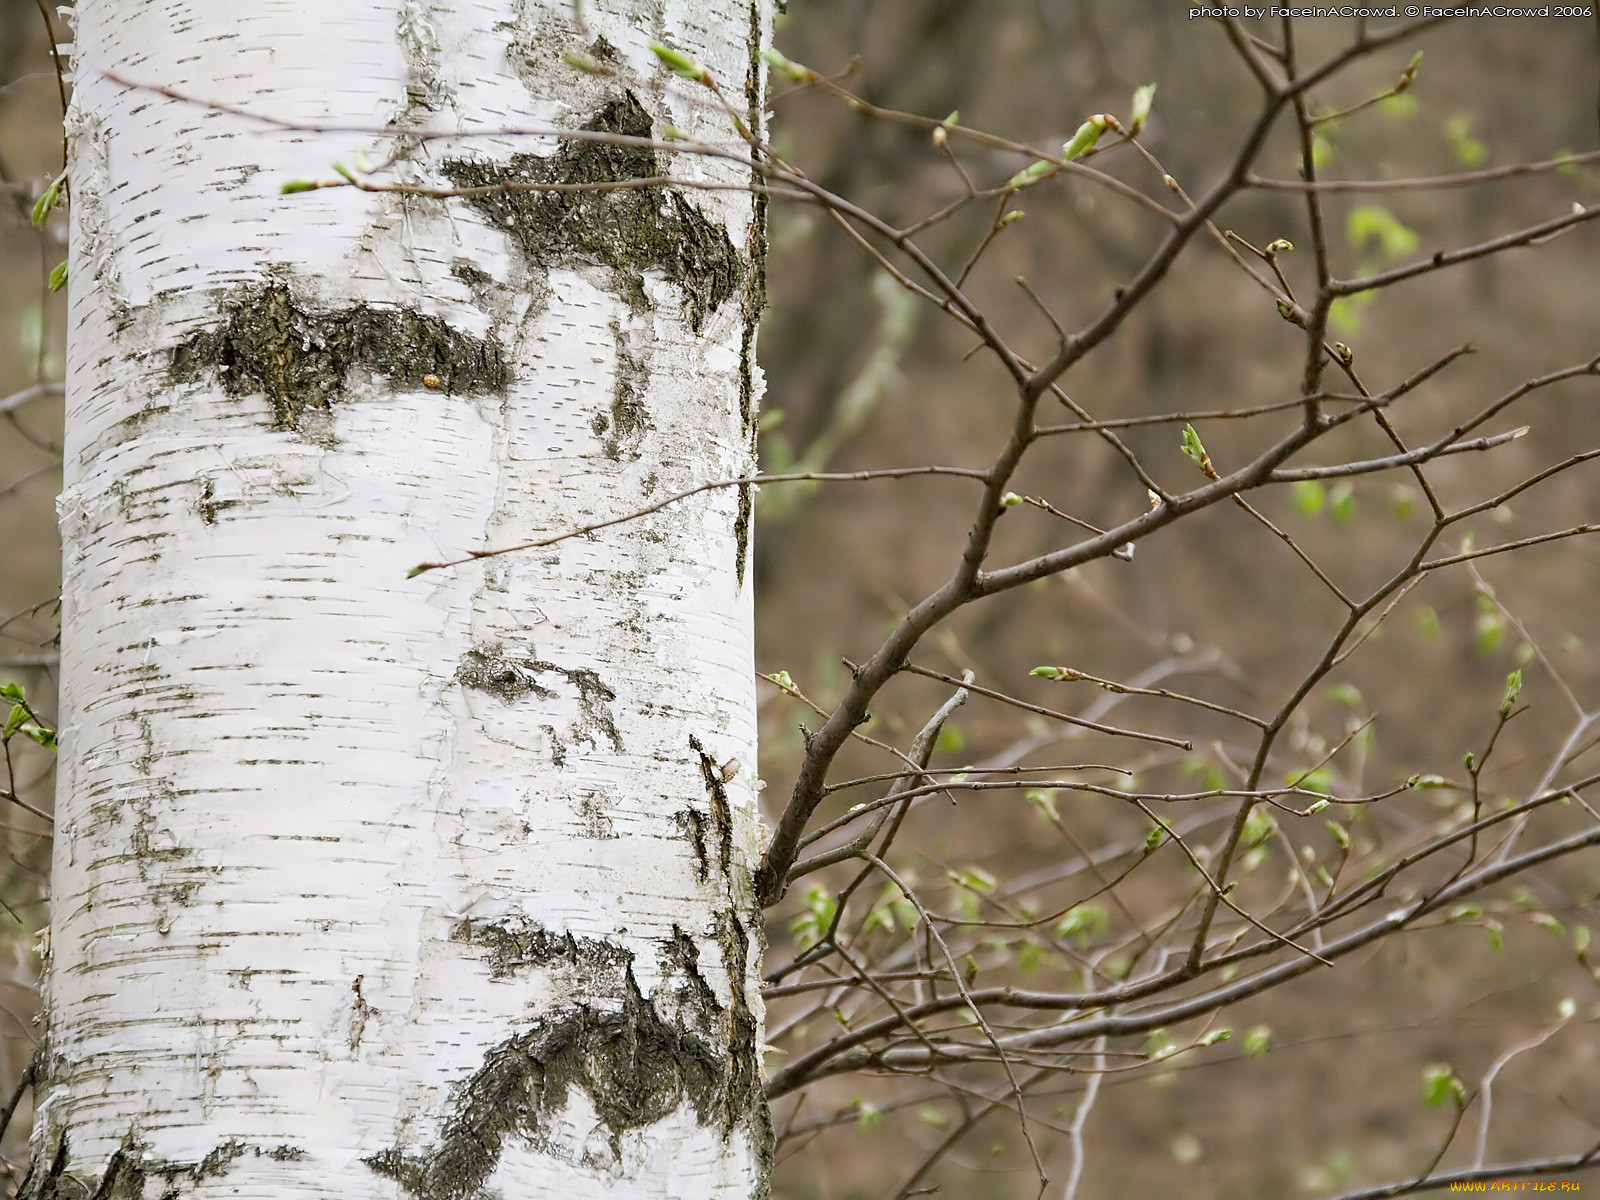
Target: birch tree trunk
x: 377, y: 886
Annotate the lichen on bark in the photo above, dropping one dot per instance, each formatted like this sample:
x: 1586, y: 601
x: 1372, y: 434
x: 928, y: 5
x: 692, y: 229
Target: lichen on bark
x: 271, y: 343
x: 630, y: 230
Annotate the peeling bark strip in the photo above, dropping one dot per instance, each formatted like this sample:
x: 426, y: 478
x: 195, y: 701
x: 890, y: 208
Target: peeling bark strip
x: 268, y: 343
x: 630, y: 230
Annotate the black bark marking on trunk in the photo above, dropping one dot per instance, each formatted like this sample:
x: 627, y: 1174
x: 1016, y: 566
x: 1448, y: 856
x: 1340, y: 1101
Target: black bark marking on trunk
x: 298, y: 357
x: 635, y: 1067
x: 518, y: 942
x: 53, y: 1182
x: 682, y: 953
x: 741, y: 531
x: 754, y: 298
x: 721, y: 811
x: 509, y: 678
x: 132, y: 1169
x: 594, y: 697
x: 630, y: 230
x: 694, y: 828
x: 744, y: 1047
x: 629, y: 419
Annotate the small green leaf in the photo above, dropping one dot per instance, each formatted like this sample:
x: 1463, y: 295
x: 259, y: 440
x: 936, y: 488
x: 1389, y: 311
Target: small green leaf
x: 1496, y: 932
x: 1195, y: 451
x: 1508, y: 700
x: 1342, y: 503
x: 1258, y: 827
x: 1401, y: 499
x: 1580, y: 939
x: 1346, y: 694
x: 12, y: 690
x: 1088, y: 134
x: 1086, y: 920
x: 14, y: 722
x: 43, y: 206
x: 973, y: 879
x: 1344, y: 314
x: 1031, y: 173
x: 1011, y: 218
x: 1469, y: 151
x: 58, y: 276
x: 1323, y: 151
x: 579, y: 61
x: 1011, y: 500
x: 1370, y: 222
x: 679, y: 63
x: 1400, y: 106
x: 1309, y: 496
x: 298, y: 185
x: 1158, y: 1045
x: 1143, y: 97
x: 1278, y: 246
x: 787, y: 67
x: 1340, y: 834
x: 1428, y: 622
x: 1056, y: 673
x: 1157, y: 836
x: 1489, y: 625
x: 1318, y: 780
x: 816, y: 919
x: 1408, y: 76
x: 1440, y: 1085
x: 1257, y: 1041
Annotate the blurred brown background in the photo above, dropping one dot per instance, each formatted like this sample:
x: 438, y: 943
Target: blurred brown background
x: 857, y: 378
x: 1337, y: 1104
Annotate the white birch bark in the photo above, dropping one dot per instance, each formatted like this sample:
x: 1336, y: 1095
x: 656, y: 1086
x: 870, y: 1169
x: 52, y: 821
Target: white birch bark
x: 377, y: 886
